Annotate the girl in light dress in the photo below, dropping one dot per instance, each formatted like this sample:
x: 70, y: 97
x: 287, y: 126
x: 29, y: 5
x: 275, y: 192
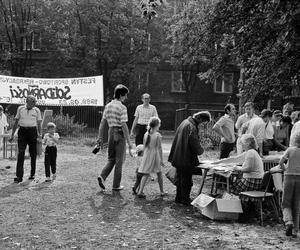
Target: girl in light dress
x: 152, y: 157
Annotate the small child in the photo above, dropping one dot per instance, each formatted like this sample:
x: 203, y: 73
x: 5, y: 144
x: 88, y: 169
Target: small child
x: 153, y: 157
x: 50, y: 140
x: 138, y: 155
x: 291, y: 187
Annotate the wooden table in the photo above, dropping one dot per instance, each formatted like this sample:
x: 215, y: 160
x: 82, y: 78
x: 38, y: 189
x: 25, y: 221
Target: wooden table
x: 205, y: 167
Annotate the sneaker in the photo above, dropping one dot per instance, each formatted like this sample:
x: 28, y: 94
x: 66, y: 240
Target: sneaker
x: 118, y: 188
x: 53, y: 177
x: 47, y: 179
x: 17, y: 180
x: 100, y: 182
x: 289, y: 229
x: 31, y: 177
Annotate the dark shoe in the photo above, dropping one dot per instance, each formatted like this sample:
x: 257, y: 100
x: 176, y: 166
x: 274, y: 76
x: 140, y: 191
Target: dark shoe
x: 289, y: 230
x: 31, y: 177
x: 118, y: 188
x: 134, y: 191
x: 142, y: 196
x: 100, y: 181
x: 17, y: 180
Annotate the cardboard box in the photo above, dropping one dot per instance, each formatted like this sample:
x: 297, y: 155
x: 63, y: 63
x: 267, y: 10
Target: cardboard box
x: 218, y: 209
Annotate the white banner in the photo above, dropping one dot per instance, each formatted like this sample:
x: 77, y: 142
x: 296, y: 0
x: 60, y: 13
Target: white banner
x: 84, y: 91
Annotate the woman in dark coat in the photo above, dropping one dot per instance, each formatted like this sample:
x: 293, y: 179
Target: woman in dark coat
x: 184, y: 154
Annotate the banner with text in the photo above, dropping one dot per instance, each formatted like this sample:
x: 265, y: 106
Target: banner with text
x: 84, y: 91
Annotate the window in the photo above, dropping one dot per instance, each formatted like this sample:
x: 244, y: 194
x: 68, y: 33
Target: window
x: 177, y: 82
x: 142, y: 79
x: 33, y: 44
x: 223, y: 84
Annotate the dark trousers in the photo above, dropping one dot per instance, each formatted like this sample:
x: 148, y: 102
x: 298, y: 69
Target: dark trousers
x: 184, y: 185
x: 140, y: 131
x: 116, y: 155
x: 50, y: 160
x: 225, y: 149
x: 26, y: 136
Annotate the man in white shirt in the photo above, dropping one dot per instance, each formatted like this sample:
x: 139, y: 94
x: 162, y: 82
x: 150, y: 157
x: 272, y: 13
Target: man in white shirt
x: 225, y: 128
x: 262, y: 129
x: 242, y: 119
x: 29, y: 119
x: 142, y: 114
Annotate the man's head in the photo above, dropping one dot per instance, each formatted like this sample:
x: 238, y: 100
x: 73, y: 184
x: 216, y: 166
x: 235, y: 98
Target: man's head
x: 121, y: 92
x: 146, y: 98
x: 249, y: 108
x: 30, y: 101
x: 229, y: 109
x: 202, y: 117
x: 277, y: 115
x: 266, y: 115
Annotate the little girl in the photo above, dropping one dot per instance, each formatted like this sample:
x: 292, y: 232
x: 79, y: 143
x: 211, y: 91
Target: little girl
x: 291, y: 187
x: 153, y: 157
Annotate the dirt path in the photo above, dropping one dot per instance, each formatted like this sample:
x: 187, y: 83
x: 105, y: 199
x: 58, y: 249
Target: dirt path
x: 71, y: 213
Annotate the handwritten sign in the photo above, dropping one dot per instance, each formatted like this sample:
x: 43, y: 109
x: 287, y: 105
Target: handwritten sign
x: 85, y: 91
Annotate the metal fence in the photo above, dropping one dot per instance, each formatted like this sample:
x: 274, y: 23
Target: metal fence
x: 71, y: 121
x: 209, y: 138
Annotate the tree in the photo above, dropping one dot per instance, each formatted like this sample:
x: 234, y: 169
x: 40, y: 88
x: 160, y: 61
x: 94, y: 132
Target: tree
x: 265, y: 37
x: 187, y: 31
x: 18, y: 27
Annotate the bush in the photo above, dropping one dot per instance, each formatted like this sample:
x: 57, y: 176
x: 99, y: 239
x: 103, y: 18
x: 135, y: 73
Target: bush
x: 65, y: 125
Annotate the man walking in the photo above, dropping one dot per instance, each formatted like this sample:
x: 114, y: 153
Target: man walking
x: 142, y: 114
x: 184, y: 154
x: 115, y: 114
x: 29, y: 119
x: 225, y: 128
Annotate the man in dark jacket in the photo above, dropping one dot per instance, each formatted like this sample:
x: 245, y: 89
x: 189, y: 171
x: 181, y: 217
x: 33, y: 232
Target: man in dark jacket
x: 184, y: 154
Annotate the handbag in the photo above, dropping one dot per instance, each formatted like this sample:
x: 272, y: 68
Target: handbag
x: 171, y: 174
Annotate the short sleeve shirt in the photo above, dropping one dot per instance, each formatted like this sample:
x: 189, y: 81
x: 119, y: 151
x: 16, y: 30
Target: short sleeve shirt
x: 115, y: 113
x: 49, y: 141
x: 244, y: 118
x: 227, y: 125
x: 257, y: 129
x: 28, y: 117
x: 293, y: 165
x: 145, y: 113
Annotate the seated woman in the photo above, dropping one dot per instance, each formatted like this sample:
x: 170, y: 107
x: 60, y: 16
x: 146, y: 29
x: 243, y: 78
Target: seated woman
x: 252, y: 166
x: 282, y: 134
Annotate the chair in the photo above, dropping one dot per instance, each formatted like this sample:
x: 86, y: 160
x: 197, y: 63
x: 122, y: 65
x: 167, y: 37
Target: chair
x: 278, y: 188
x: 268, y: 164
x: 260, y: 197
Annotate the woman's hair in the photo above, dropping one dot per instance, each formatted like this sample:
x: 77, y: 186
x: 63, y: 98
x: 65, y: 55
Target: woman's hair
x: 153, y: 122
x: 249, y: 141
x: 286, y: 119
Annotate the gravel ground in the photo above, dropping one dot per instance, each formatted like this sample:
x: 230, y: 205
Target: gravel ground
x: 71, y: 212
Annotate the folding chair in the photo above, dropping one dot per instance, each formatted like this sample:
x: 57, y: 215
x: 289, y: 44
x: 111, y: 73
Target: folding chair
x: 260, y: 197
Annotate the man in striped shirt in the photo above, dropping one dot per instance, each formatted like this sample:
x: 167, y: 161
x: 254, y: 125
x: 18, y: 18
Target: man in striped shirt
x: 115, y: 114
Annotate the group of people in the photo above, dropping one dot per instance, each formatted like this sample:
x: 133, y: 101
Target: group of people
x: 28, y: 124
x: 254, y: 136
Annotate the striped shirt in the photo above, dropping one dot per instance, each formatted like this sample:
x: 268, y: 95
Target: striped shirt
x: 115, y: 113
x: 145, y: 113
x: 28, y: 117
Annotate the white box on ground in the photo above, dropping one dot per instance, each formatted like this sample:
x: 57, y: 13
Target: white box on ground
x: 218, y: 209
